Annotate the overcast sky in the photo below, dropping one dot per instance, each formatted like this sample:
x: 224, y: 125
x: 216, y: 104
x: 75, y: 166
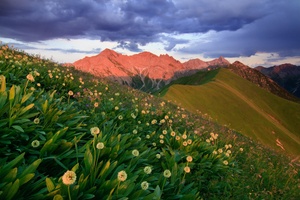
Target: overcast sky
x: 255, y: 32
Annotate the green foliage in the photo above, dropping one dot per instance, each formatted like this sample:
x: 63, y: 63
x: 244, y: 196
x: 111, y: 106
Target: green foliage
x: 68, y: 135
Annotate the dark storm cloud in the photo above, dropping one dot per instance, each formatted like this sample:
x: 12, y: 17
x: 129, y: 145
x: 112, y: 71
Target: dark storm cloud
x: 134, y: 22
x: 277, y: 32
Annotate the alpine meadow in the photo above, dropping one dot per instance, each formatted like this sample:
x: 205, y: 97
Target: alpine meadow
x: 67, y: 134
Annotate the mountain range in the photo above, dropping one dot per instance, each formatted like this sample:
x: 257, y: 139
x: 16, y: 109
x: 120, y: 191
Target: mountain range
x: 148, y: 72
x: 286, y: 75
x: 144, y: 71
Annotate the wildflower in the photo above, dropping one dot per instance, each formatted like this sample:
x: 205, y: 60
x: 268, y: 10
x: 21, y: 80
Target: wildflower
x: 100, y: 145
x: 154, y: 144
x: 241, y: 149
x: 161, y: 141
x: 38, y: 84
x: 133, y: 115
x: 134, y: 131
x: 30, y: 77
x: 120, y: 117
x: 148, y: 136
x: 36, y: 121
x: 158, y: 156
x: 167, y: 173
x: 177, y: 137
x: 135, y: 152
x: 165, y: 132
x: 122, y: 176
x: 70, y: 93
x: 189, y: 141
x: 144, y: 185
x: 189, y: 158
x: 184, y: 136
x: 95, y: 130
x: 207, y: 140
x: 147, y: 170
x: 220, y: 150
x: 187, y: 169
x: 69, y: 178
x: 225, y: 162
x: 35, y: 143
x: 185, y: 143
x: 116, y: 108
x: 154, y: 121
x: 96, y: 104
x: 215, y: 152
x: 161, y: 136
x: 173, y: 133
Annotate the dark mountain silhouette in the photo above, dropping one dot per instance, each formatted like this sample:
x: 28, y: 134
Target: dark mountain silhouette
x: 263, y: 81
x: 286, y: 75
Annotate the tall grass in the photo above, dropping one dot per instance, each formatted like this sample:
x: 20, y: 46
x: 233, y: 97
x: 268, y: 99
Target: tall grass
x: 68, y: 135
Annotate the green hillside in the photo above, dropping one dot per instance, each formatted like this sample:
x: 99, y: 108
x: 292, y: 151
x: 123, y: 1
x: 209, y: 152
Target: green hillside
x: 240, y: 105
x: 65, y: 134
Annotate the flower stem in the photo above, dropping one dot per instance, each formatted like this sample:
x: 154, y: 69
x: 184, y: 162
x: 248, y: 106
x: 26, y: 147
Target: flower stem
x: 69, y: 192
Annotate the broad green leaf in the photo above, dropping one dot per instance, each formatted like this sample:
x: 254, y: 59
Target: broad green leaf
x: 50, y: 185
x: 26, y: 178
x: 12, y: 93
x: 3, y: 83
x: 75, y: 167
x: 58, y: 197
x: 31, y: 168
x: 19, y: 128
x: 10, y: 165
x: 26, y: 97
x: 88, y: 159
x: 3, y: 98
x: 13, y: 190
x: 10, y: 177
x: 46, y: 147
x: 26, y: 109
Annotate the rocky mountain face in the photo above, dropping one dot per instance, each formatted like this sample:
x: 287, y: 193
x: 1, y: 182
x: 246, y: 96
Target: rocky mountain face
x: 286, y: 75
x: 144, y: 71
x: 258, y: 78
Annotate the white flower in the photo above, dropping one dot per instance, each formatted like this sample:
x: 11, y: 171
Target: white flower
x: 147, y: 170
x: 36, y: 121
x: 135, y: 152
x: 35, y: 143
x: 69, y: 178
x: 70, y: 93
x: 144, y: 185
x: 167, y: 173
x: 187, y: 169
x: 122, y: 176
x: 189, y: 158
x: 100, y: 145
x: 95, y: 130
x: 30, y: 77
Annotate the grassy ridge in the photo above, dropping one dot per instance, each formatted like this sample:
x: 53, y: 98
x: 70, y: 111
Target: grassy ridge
x: 69, y: 135
x: 241, y: 105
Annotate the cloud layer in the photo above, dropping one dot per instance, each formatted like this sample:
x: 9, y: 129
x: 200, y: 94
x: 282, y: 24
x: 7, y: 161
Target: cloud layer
x: 238, y: 28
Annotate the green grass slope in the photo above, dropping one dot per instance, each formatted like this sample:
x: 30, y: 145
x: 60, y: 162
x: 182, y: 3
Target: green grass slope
x: 241, y: 105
